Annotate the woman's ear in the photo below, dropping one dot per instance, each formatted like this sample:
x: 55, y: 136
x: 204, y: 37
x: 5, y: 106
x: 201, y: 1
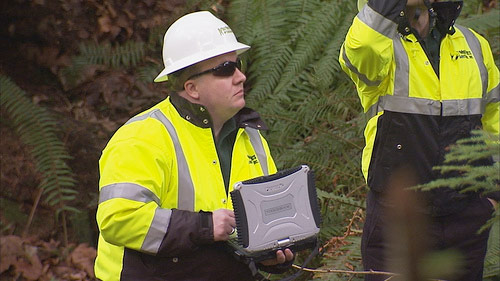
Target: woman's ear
x: 191, y: 89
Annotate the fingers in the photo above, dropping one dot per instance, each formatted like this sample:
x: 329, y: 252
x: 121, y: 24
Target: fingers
x: 223, y: 224
x: 288, y: 254
x: 281, y: 257
x: 284, y: 256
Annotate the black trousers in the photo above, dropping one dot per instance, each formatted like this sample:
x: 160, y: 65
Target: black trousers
x: 457, y: 231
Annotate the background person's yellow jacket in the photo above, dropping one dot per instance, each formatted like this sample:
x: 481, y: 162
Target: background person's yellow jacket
x: 414, y: 112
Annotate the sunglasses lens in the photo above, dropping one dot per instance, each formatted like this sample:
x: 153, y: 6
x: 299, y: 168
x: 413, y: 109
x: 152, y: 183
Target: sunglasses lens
x: 224, y: 69
x: 227, y: 68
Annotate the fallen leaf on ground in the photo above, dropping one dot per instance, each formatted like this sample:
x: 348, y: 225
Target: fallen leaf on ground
x: 11, y: 247
x: 83, y: 257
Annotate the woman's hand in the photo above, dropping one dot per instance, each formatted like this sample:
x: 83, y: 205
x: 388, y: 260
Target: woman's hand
x: 281, y: 257
x: 224, y: 224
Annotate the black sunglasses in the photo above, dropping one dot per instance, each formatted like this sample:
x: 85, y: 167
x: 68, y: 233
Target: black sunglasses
x: 224, y: 69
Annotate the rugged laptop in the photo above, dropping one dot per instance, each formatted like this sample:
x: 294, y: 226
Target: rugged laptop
x: 275, y: 212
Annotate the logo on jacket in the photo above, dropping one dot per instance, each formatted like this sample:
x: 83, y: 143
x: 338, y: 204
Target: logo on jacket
x: 252, y: 159
x: 462, y: 54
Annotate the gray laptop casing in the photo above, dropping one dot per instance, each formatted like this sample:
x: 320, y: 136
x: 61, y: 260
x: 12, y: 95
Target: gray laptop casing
x: 276, y: 212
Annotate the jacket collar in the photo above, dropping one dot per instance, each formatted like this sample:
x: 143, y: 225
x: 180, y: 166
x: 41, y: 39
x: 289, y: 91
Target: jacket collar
x: 447, y: 13
x: 198, y: 115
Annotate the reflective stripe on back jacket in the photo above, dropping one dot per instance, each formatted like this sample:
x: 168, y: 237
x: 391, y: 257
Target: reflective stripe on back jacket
x: 157, y: 162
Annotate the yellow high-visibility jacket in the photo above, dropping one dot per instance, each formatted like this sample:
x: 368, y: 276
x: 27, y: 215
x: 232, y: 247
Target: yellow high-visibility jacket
x: 160, y: 174
x: 413, y: 114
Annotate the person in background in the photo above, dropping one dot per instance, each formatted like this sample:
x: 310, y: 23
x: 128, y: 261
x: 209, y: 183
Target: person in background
x: 424, y: 83
x: 164, y: 210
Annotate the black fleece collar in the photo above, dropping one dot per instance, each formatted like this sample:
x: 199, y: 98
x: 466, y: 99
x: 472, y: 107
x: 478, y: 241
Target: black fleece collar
x: 198, y: 115
x: 447, y: 13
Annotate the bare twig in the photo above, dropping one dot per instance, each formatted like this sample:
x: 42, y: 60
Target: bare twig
x: 32, y: 212
x: 368, y: 272
x: 371, y: 272
x: 356, y: 215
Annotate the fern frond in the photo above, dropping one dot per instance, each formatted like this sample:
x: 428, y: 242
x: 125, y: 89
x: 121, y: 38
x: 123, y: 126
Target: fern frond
x: 464, y: 161
x: 492, y: 259
x: 340, y: 199
x: 467, y: 169
x: 482, y: 23
x: 37, y: 129
x: 309, y: 45
x: 128, y: 54
x: 295, y: 82
x: 346, y: 257
x: 292, y: 45
x: 147, y: 73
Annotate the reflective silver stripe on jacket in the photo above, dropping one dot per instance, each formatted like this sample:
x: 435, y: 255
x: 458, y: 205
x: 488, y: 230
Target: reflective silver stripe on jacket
x: 157, y: 231
x: 427, y: 106
x: 185, y: 190
x: 135, y: 192
x: 401, y: 102
x: 258, y: 146
x: 493, y: 95
x: 378, y: 22
x: 360, y: 75
x: 161, y: 219
x: 402, y: 77
x: 475, y: 47
x: 186, y: 186
x: 185, y: 197
x: 129, y: 191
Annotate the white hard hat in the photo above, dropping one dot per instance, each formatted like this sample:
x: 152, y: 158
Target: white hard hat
x: 196, y: 37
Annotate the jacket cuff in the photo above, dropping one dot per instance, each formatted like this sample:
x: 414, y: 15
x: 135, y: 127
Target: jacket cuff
x: 206, y: 233
x: 186, y: 232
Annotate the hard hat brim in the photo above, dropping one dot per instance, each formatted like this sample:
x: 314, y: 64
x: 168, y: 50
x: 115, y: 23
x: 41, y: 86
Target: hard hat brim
x: 198, y: 57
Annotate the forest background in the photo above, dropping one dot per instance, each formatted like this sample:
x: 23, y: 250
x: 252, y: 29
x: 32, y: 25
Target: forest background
x: 73, y: 71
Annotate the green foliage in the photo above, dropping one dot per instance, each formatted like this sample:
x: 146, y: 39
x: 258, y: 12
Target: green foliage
x: 295, y: 82
x: 463, y: 162
x: 38, y: 129
x: 12, y: 213
x: 350, y: 255
x: 481, y: 23
x: 147, y: 73
x: 128, y: 54
x: 471, y: 7
x: 492, y: 260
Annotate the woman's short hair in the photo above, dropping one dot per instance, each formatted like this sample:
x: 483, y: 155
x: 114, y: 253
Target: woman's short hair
x: 177, y: 79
